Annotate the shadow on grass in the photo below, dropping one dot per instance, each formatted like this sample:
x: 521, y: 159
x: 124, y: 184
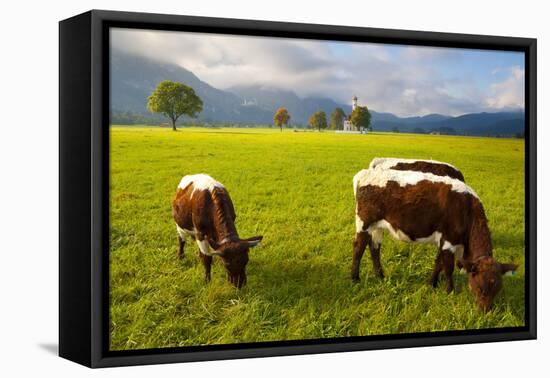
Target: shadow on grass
x: 311, y: 277
x: 327, y: 281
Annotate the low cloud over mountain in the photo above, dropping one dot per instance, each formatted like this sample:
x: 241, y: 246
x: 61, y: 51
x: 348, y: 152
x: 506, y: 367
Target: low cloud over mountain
x: 403, y: 80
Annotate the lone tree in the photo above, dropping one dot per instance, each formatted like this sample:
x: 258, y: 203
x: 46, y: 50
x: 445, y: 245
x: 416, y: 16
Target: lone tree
x: 173, y: 100
x: 360, y: 118
x: 337, y: 119
x: 318, y: 120
x: 281, y: 118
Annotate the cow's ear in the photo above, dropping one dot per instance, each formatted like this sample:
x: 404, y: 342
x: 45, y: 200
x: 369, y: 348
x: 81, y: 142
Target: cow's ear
x: 507, y: 268
x: 470, y: 267
x: 253, y: 241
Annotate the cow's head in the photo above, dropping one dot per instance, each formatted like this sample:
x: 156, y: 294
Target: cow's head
x: 485, y: 279
x: 234, y: 255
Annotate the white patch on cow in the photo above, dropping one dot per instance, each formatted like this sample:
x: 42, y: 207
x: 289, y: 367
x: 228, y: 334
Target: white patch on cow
x: 377, y: 236
x: 200, y: 182
x: 359, y: 224
x: 387, y: 163
x: 356, y: 180
x: 381, y: 177
x: 434, y: 238
x: 385, y: 225
x: 204, y: 247
x: 457, y: 250
x: 182, y: 232
x: 376, y: 230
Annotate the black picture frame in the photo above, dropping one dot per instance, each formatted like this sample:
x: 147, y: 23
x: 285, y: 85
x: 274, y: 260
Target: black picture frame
x: 84, y: 187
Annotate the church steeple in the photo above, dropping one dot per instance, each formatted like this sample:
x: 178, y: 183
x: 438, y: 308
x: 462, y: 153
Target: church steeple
x: 353, y: 103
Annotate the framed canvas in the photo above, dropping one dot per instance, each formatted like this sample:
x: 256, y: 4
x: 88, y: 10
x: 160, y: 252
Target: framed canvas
x: 221, y: 180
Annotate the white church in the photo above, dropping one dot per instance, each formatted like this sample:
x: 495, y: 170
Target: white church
x: 348, y: 126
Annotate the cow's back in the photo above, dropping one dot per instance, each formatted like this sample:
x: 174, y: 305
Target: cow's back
x: 427, y: 166
x: 203, y: 206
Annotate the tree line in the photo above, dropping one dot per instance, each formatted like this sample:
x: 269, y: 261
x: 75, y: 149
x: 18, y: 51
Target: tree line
x: 172, y: 100
x: 360, y: 117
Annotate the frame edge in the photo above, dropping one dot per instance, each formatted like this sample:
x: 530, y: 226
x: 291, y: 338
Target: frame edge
x: 97, y: 353
x: 74, y: 192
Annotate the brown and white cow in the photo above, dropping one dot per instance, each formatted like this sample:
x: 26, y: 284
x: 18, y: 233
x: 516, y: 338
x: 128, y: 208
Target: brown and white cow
x: 203, y: 209
x: 422, y: 207
x: 435, y: 167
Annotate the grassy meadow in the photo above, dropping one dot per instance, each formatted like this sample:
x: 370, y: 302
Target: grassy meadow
x: 295, y: 189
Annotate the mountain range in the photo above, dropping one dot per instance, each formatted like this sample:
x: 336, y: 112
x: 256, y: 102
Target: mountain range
x: 133, y: 78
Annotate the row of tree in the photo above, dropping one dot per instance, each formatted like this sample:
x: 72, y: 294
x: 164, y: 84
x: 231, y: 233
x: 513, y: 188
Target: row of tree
x: 173, y: 100
x: 360, y: 118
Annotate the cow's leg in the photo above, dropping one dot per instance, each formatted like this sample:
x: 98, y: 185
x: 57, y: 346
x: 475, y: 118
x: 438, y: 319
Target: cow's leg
x: 459, y: 258
x: 205, y: 255
x: 181, y: 240
x: 374, y: 246
x: 359, y: 245
x: 438, y: 267
x: 448, y: 261
x: 181, y: 247
x: 207, y: 262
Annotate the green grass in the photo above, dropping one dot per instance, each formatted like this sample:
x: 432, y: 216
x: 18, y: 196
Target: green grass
x: 295, y: 189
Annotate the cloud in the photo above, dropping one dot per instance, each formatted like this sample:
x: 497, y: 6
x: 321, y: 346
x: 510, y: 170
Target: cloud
x: 224, y: 61
x: 405, y: 80
x: 510, y: 93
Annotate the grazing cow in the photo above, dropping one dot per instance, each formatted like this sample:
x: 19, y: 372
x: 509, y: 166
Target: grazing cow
x: 425, y: 208
x: 435, y: 167
x: 203, y: 209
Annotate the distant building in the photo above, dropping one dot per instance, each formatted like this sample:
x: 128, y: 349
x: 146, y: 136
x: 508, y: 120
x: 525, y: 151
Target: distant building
x: 348, y: 126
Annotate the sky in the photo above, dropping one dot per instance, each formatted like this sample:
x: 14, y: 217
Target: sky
x: 403, y: 80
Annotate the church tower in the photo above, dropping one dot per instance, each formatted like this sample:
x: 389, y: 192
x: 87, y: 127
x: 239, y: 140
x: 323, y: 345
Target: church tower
x: 353, y: 103
x: 348, y: 126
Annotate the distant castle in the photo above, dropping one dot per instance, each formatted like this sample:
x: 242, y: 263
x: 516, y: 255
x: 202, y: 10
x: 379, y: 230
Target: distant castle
x: 348, y: 126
